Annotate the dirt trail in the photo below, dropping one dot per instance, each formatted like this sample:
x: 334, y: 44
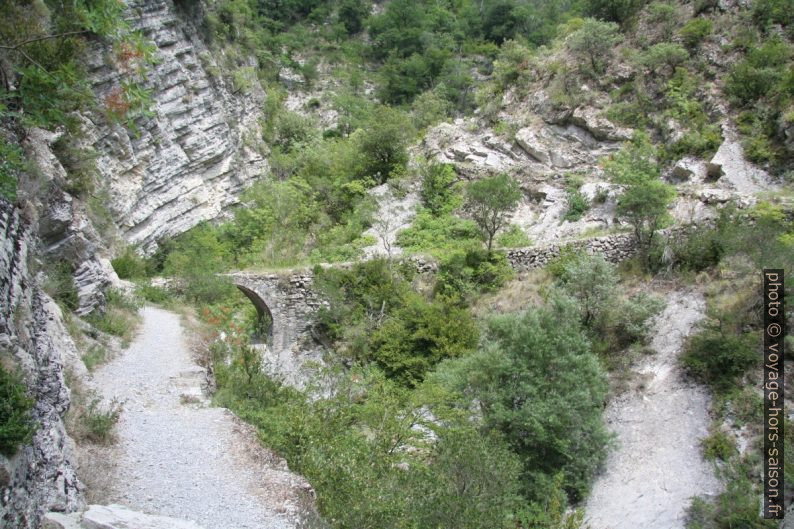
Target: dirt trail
x: 184, y: 460
x: 657, y: 465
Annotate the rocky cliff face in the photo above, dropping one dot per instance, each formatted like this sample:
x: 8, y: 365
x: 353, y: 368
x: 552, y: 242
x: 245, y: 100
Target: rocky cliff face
x: 182, y: 164
x: 199, y: 149
x: 41, y: 476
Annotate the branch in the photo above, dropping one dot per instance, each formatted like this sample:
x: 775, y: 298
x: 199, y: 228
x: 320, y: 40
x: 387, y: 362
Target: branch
x: 45, y: 37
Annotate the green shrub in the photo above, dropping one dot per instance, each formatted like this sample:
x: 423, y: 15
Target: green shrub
x: 513, y: 237
x: 718, y: 359
x: 438, y: 192
x: 594, y: 42
x: 438, y: 235
x: 539, y: 383
x: 80, y: 165
x: 153, y: 294
x: 418, y: 335
x: 697, y: 248
x: 718, y: 445
x: 490, y: 202
x: 466, y: 273
x: 766, y: 12
x: 94, y: 356
x: 129, y: 265
x: 665, y: 55
x: 119, y: 317
x: 620, y: 11
x: 59, y: 284
x: 16, y: 425
x: 98, y: 421
x: 695, y: 30
x: 11, y: 165
x: 760, y: 72
x: 577, y: 205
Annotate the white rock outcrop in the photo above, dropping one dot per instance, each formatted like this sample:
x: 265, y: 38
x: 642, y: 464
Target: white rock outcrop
x: 200, y: 148
x: 113, y: 517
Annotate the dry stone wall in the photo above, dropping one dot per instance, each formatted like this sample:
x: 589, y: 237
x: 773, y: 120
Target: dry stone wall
x: 614, y: 248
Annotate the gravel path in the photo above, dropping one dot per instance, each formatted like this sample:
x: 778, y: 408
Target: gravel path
x: 184, y: 460
x: 657, y: 466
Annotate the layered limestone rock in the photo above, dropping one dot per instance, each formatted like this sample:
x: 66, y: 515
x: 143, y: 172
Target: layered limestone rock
x: 65, y: 229
x: 198, y: 150
x: 113, y: 517
x: 40, y: 477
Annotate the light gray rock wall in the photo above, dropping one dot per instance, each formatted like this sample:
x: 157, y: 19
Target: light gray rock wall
x: 200, y: 149
x: 41, y: 476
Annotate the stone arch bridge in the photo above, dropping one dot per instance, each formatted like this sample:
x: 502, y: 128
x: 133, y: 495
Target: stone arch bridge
x: 290, y: 301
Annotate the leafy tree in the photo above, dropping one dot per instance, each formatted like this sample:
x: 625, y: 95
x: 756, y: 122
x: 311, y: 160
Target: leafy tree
x: 383, y: 143
x: 592, y: 281
x: 537, y: 381
x: 695, y: 30
x: 418, y: 335
x: 645, y: 197
x: 664, y: 55
x: 438, y: 187
x: 620, y: 11
x: 490, y: 201
x: 762, y: 72
x: 352, y: 14
x: 594, y: 42
x: 475, y: 481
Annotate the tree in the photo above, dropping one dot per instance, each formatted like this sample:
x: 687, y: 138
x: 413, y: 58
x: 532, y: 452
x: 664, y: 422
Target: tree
x: 352, y: 14
x: 438, y: 187
x: 490, y: 202
x: 664, y: 54
x: 382, y: 143
x: 620, y: 11
x: 537, y: 381
x: 645, y: 198
x: 594, y: 42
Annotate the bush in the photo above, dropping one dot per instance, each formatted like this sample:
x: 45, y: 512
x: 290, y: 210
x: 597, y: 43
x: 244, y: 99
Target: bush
x: 718, y: 445
x: 719, y: 360
x: 11, y: 165
x: 439, y: 193
x: 129, y: 265
x: 595, y: 42
x: 153, y: 294
x: 761, y: 72
x: 465, y: 273
x: 664, y: 55
x: 513, y: 237
x: 16, y: 425
x: 538, y: 382
x: 694, y: 31
x: 620, y: 11
x: 97, y: 421
x: 577, y: 205
x: 766, y: 12
x: 418, y: 335
x: 59, y: 284
x: 118, y: 318
x: 438, y: 235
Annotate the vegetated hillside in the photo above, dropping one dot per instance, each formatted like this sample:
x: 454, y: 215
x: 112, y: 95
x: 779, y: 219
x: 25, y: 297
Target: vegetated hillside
x: 453, y: 130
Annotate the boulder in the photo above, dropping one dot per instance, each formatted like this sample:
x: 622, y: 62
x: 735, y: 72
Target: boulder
x: 600, y: 127
x: 529, y: 140
x: 119, y: 517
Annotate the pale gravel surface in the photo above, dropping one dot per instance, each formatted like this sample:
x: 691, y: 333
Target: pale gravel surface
x: 657, y: 467
x: 189, y: 461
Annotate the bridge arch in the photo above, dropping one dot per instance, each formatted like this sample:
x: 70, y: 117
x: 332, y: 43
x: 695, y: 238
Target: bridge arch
x: 264, y: 315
